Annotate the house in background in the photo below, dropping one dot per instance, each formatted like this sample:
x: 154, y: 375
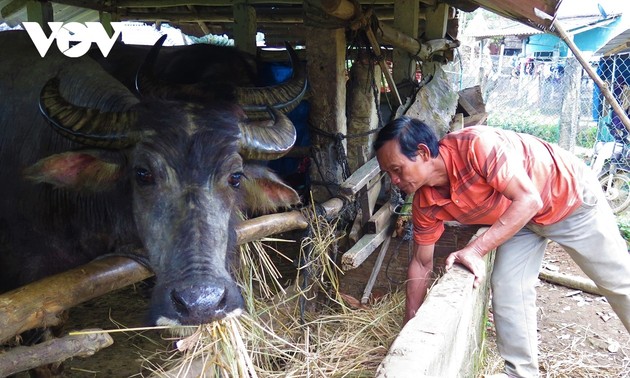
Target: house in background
x: 591, y: 24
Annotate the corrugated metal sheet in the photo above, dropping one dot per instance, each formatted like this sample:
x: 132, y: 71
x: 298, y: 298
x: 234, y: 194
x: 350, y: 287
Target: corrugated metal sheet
x: 523, y: 11
x: 570, y: 24
x: 619, y: 44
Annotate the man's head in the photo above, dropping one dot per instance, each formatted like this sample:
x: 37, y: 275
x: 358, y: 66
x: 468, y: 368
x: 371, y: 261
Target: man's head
x: 409, y: 133
x: 405, y: 148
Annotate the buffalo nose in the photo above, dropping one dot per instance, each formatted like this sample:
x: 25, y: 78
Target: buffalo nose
x: 197, y: 302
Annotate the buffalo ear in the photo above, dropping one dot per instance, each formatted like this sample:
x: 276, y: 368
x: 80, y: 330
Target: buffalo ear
x: 76, y: 170
x: 265, y: 192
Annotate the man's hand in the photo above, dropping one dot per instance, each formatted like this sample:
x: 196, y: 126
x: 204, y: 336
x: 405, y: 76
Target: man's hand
x: 470, y: 259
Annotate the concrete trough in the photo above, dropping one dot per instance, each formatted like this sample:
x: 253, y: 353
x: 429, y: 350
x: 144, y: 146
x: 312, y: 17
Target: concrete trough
x: 445, y: 337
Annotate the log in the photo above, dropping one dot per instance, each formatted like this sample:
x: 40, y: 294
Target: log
x: 23, y: 358
x: 38, y: 304
x: 572, y: 282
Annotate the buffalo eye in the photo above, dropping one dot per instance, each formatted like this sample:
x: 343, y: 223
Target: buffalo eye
x: 235, y: 179
x: 144, y: 177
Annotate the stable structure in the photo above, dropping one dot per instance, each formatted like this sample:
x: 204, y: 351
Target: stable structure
x: 402, y: 41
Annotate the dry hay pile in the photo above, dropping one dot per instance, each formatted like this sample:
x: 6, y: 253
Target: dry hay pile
x: 279, y: 337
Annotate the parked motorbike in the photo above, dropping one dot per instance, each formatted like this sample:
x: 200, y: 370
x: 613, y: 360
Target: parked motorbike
x: 611, y: 163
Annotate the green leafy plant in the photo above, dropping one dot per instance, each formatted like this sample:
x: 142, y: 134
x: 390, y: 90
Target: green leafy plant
x: 624, y: 228
x: 540, y: 126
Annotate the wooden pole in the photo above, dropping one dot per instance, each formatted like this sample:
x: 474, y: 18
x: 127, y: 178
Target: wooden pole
x: 38, y: 304
x: 559, y: 30
x: 572, y: 282
x: 23, y: 358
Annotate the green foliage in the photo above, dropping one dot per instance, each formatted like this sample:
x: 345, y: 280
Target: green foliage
x: 540, y: 126
x: 587, y: 137
x: 529, y: 124
x: 624, y: 228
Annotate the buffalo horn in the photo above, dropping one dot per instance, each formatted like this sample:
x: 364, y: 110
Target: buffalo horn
x: 284, y: 96
x: 267, y: 140
x: 84, y: 125
x: 254, y: 100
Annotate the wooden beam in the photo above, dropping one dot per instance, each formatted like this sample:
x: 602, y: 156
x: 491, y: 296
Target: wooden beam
x: 437, y: 21
x: 379, y: 220
x: 356, y: 255
x: 360, y: 178
x: 572, y: 282
x: 617, y: 49
x: 228, y: 3
x: 40, y: 12
x: 106, y: 19
x: 244, y: 26
x: 344, y: 10
x: 406, y: 21
x: 12, y: 8
x: 218, y: 16
x: 202, y: 25
x: 375, y: 270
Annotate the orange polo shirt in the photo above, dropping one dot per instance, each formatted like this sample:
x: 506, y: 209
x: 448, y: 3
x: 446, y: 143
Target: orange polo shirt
x: 479, y: 163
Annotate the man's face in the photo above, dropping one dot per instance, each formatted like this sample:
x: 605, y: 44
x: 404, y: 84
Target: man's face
x: 408, y: 175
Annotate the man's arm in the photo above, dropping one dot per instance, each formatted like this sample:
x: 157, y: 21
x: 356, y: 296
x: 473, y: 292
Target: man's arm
x: 418, y: 276
x: 526, y: 202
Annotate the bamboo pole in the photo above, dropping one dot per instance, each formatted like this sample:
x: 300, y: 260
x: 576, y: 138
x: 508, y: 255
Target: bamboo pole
x: 23, y: 358
x: 39, y: 304
x: 559, y: 30
x: 572, y: 282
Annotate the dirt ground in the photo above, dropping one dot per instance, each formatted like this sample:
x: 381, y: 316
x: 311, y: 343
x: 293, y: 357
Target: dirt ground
x: 579, y: 334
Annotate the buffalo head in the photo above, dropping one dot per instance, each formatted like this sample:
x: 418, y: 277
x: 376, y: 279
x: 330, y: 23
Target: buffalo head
x: 188, y: 174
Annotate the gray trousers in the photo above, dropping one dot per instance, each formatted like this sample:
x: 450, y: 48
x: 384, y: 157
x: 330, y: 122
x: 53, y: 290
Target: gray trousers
x: 591, y: 238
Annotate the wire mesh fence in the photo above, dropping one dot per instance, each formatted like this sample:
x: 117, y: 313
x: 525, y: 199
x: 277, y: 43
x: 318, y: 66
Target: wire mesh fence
x: 555, y: 99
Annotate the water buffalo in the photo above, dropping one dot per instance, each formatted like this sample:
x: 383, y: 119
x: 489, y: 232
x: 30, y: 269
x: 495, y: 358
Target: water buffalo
x: 201, y: 73
x: 90, y: 169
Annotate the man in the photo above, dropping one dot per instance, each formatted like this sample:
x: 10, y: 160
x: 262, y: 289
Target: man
x: 527, y: 191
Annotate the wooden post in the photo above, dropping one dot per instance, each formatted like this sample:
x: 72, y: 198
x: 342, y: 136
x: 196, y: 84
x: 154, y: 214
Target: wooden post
x: 569, y: 116
x: 326, y: 55
x: 106, y: 19
x: 405, y: 20
x: 244, y: 26
x: 437, y: 21
x: 40, y: 12
x: 362, y: 111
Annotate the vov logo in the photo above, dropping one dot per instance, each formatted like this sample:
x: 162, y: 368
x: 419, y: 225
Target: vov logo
x: 74, y: 39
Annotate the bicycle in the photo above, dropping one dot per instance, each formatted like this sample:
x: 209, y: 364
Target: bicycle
x: 614, y: 174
